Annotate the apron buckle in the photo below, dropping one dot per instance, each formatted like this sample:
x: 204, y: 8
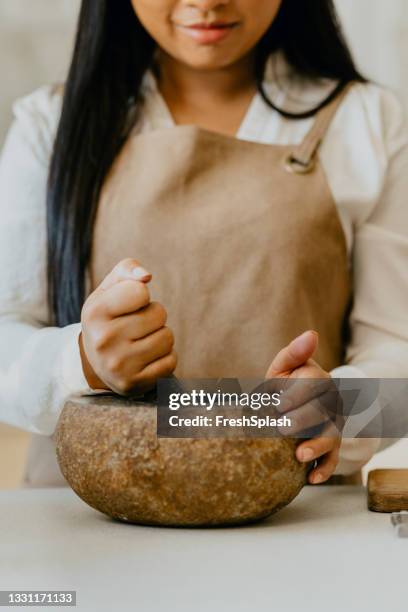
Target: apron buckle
x: 296, y: 166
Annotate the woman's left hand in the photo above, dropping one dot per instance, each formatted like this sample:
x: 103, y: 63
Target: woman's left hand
x: 295, y: 362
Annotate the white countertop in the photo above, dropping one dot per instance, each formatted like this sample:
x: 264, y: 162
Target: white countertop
x: 325, y: 551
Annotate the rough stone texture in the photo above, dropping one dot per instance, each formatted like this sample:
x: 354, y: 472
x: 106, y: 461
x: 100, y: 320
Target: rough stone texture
x: 109, y: 453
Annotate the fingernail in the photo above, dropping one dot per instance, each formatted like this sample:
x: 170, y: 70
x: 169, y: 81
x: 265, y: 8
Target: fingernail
x: 306, y: 454
x: 317, y: 478
x: 141, y: 274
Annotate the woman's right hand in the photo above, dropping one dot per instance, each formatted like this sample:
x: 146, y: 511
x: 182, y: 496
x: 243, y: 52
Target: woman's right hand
x: 124, y: 343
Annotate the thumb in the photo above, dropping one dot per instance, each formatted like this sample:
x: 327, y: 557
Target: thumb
x: 294, y: 354
x: 126, y: 269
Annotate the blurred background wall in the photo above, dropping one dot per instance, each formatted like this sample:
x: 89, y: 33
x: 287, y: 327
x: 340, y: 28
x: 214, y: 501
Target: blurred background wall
x: 35, y: 43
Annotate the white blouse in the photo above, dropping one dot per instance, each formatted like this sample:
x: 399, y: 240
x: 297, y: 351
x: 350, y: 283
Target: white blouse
x: 365, y: 157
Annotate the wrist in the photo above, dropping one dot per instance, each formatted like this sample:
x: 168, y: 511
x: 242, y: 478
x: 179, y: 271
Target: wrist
x: 91, y: 377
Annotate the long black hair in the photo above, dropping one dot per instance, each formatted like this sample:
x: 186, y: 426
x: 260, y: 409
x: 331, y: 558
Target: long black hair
x: 111, y: 55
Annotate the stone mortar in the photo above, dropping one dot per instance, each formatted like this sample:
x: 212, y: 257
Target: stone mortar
x: 109, y: 453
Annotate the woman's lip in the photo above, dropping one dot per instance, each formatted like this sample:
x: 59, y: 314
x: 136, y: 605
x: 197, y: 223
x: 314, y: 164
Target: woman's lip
x: 207, y: 33
x: 207, y: 26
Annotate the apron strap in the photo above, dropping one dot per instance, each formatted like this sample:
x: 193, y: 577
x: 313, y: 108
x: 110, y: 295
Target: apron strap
x: 302, y: 158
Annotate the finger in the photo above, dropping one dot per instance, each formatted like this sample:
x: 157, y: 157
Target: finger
x: 161, y: 368
x: 325, y: 468
x: 307, y: 416
x: 294, y: 355
x: 300, y: 391
x: 123, y: 298
x: 318, y: 446
x: 325, y: 407
x: 315, y: 448
x: 150, y: 348
x: 144, y: 322
x: 126, y: 269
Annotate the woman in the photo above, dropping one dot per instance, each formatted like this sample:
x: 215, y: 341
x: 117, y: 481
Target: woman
x: 215, y: 174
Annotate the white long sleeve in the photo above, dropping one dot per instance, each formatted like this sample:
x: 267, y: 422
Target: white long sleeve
x: 379, y: 319
x: 39, y: 365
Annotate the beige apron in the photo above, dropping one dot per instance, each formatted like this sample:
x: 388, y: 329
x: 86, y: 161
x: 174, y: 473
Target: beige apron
x: 243, y: 240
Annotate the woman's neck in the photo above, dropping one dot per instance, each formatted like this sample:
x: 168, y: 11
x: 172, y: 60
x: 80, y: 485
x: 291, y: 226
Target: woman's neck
x: 215, y: 99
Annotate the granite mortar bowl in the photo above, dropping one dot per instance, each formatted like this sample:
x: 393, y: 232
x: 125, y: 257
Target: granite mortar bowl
x: 109, y: 453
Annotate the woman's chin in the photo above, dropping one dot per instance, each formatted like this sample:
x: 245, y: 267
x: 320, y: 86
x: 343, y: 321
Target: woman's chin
x: 205, y: 57
x: 207, y: 64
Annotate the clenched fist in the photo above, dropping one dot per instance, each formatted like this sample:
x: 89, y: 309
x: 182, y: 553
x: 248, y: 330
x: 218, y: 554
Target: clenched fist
x: 124, y: 343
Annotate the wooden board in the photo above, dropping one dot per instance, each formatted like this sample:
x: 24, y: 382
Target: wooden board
x: 387, y: 490
x: 13, y: 454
